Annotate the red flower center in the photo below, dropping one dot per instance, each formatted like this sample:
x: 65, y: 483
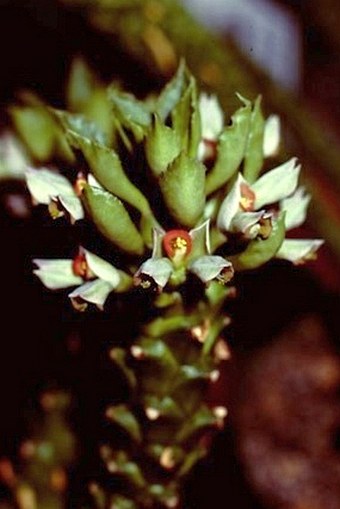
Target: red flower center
x: 247, y: 200
x: 177, y: 243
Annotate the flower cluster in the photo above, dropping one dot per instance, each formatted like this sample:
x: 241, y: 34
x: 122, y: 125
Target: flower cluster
x: 209, y: 178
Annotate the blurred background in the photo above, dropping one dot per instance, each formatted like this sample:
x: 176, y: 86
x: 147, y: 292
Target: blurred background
x: 281, y: 448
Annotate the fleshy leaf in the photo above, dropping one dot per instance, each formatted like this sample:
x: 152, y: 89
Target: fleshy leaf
x: 80, y: 125
x: 131, y: 113
x: 112, y: 220
x: 107, y: 169
x: 123, y: 417
x: 118, y: 356
x: 171, y: 93
x: 260, y: 251
x: 186, y: 119
x: 253, y: 160
x: 199, y: 422
x: 162, y: 146
x: 40, y: 132
x: 80, y: 86
x: 231, y: 148
x: 183, y: 189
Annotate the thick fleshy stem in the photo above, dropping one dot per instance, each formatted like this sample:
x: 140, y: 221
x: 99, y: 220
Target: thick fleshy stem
x: 166, y: 418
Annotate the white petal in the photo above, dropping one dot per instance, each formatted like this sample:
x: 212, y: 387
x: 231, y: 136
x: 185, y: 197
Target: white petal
x: 201, y: 235
x: 45, y: 184
x: 158, y: 269
x: 209, y: 267
x: 230, y: 205
x: 157, y: 235
x: 13, y: 160
x: 297, y: 250
x: 212, y: 117
x: 73, y: 205
x: 276, y: 184
x: 295, y: 207
x: 93, y: 182
x: 102, y: 269
x: 271, y: 139
x: 243, y: 221
x: 56, y: 274
x: 95, y: 292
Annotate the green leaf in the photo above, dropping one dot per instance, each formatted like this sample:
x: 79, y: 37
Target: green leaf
x: 172, y: 92
x: 40, y: 133
x: 160, y: 326
x: 80, y: 86
x: 118, y: 356
x: 128, y: 469
x: 186, y: 119
x: 182, y: 186
x: 254, y: 152
x: 79, y: 125
x: 231, y: 148
x: 199, y: 422
x: 120, y: 502
x: 123, y: 417
x: 260, y: 251
x: 131, y: 113
x: 157, y: 366
x: 191, y: 459
x: 112, y: 220
x: 162, y: 146
x: 166, y: 406
x: 105, y: 165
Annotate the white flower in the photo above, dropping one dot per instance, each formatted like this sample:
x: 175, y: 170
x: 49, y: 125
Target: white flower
x: 212, y: 117
x: 241, y: 209
x: 96, y: 278
x: 50, y: 188
x: 212, y: 122
x: 185, y: 251
x: 271, y: 136
x: 298, y: 251
x: 295, y: 207
x: 210, y: 267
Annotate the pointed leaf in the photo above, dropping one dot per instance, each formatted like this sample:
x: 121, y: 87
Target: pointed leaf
x: 254, y: 152
x: 171, y: 93
x: 231, y: 149
x: 118, y: 356
x: 80, y: 86
x: 204, y: 418
x: 131, y: 113
x: 107, y: 169
x: 112, y: 220
x: 123, y: 417
x: 183, y: 189
x: 261, y: 251
x: 186, y: 119
x: 162, y: 146
x: 79, y: 125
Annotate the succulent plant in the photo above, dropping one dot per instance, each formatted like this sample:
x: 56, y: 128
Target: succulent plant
x: 178, y: 198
